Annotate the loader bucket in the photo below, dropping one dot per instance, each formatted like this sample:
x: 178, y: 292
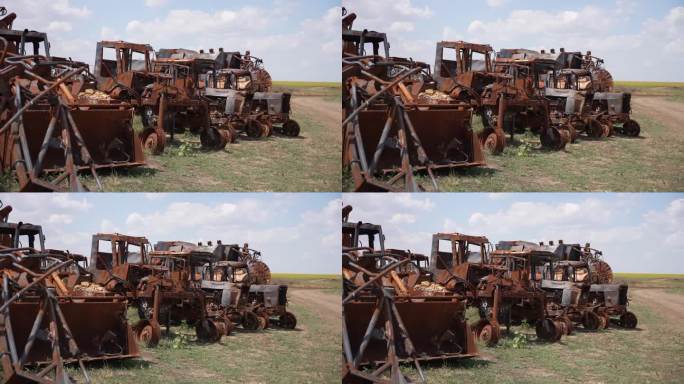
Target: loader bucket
x: 436, y: 328
x: 98, y: 325
x: 444, y: 132
x: 106, y: 130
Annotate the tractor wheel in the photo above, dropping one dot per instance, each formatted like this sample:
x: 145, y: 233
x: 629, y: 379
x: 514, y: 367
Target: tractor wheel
x: 548, y: 330
x: 208, y: 331
x: 569, y: 326
x: 594, y: 128
x: 628, y: 320
x: 291, y: 128
x: 578, y: 126
x: 606, y: 129
x: 602, y: 322
x: 148, y: 333
x: 489, y: 335
x: 253, y: 129
x: 572, y: 132
x: 287, y: 320
x: 263, y: 323
x: 631, y: 128
x: 250, y: 321
x: 491, y: 142
x: 153, y: 141
x: 554, y: 138
x: 211, y: 138
x: 266, y: 129
x: 229, y: 326
x: 591, y: 321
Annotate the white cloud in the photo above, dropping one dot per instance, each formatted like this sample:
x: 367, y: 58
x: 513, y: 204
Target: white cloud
x: 66, y: 201
x: 57, y: 218
x: 594, y: 28
x: 59, y: 26
x: 402, y: 218
x: 401, y: 26
x: 155, y: 3
x: 496, y: 3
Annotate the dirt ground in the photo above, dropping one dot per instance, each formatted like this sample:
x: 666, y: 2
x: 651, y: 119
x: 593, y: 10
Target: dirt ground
x: 328, y: 111
x: 666, y: 112
x: 669, y: 305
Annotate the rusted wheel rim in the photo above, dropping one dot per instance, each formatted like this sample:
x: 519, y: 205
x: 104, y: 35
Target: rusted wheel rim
x: 591, y: 321
x: 152, y: 143
x: 605, y: 130
x: 554, y: 138
x: 288, y: 320
x: 212, y: 138
x: 601, y: 322
x: 149, y: 336
x: 490, y: 144
x: 547, y: 330
x: 594, y: 128
x: 220, y: 328
x: 569, y: 326
x: 145, y: 335
x: 628, y: 320
x: 486, y: 333
x: 254, y: 129
x: 263, y: 323
x: 207, y: 331
x: 229, y: 326
x: 572, y: 132
x: 250, y: 321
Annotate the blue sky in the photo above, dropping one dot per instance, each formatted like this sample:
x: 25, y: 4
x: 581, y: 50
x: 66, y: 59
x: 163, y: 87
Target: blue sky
x: 640, y: 40
x: 295, y: 232
x: 641, y: 232
x: 298, y: 39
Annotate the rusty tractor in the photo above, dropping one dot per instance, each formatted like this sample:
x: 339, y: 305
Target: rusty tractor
x: 163, y: 90
x: 396, y: 122
x: 237, y: 106
x: 247, y: 300
x: 54, y: 124
x: 525, y: 102
x: 157, y: 284
x: 581, y: 90
x: 386, y: 298
x: 464, y: 71
x: 581, y: 283
x: 46, y: 295
x: 496, y: 283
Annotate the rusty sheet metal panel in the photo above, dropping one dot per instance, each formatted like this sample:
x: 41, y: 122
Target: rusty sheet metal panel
x: 435, y: 329
x: 444, y: 133
x: 100, y: 329
x: 108, y: 135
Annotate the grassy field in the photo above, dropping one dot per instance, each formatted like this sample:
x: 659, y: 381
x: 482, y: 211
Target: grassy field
x: 646, y: 354
x: 670, y: 282
x: 309, y: 162
x: 648, y: 84
x: 651, y: 162
x: 671, y: 91
x: 308, y: 354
